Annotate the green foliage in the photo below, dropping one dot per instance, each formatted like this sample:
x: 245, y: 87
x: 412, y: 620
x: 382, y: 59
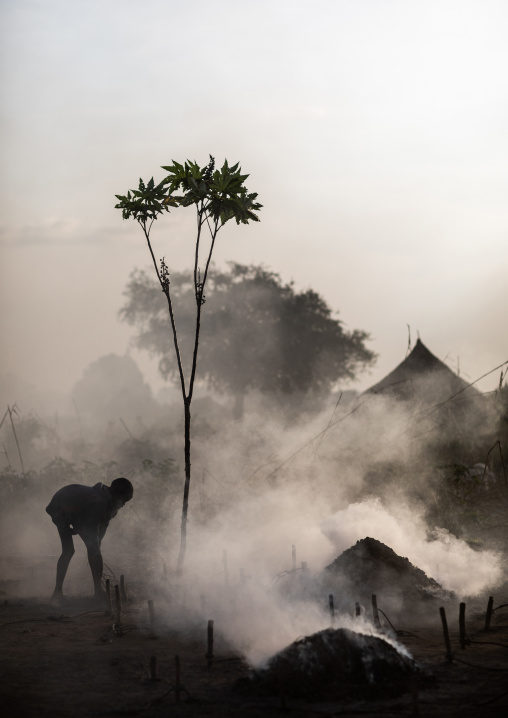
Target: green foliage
x: 220, y: 195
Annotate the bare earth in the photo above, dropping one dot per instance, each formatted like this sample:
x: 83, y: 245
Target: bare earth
x: 69, y: 661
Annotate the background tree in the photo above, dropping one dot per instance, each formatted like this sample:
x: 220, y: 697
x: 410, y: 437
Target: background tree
x: 260, y: 333
x: 217, y: 196
x: 113, y: 387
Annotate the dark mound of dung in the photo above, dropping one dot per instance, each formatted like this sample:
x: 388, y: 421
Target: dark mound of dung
x: 370, y: 567
x: 333, y: 664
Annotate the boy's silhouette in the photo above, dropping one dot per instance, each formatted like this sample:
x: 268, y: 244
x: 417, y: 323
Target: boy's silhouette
x: 85, y: 511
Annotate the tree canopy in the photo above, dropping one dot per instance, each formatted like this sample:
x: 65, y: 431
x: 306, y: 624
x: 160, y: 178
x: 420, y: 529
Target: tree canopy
x: 260, y: 333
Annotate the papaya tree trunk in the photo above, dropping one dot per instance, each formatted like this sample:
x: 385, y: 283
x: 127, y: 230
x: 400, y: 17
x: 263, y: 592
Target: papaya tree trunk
x: 185, y: 508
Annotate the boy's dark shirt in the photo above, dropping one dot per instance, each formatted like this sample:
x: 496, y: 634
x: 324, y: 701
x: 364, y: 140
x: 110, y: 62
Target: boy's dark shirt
x: 87, y: 509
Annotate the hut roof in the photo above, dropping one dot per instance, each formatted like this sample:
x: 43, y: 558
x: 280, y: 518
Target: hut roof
x: 424, y: 377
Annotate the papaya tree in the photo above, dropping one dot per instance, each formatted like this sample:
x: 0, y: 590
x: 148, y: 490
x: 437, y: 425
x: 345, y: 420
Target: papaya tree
x: 217, y: 196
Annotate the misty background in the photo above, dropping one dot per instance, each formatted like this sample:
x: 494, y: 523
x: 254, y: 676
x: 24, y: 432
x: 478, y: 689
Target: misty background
x: 374, y: 133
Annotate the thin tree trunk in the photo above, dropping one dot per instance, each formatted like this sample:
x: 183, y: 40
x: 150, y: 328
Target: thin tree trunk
x: 183, y: 535
x: 188, y: 398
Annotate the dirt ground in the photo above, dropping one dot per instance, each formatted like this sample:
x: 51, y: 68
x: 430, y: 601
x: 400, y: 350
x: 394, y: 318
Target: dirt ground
x: 70, y: 662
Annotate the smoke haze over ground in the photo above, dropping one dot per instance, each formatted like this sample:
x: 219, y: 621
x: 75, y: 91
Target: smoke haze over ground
x: 259, y: 487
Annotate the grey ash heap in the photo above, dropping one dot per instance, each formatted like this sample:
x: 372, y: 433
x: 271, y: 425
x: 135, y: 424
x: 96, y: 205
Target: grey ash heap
x: 334, y: 664
x: 372, y: 567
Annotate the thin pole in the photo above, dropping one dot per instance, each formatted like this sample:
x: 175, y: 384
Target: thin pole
x: 488, y: 615
x: 462, y: 625
x: 332, y: 609
x: 209, y: 650
x: 446, y: 635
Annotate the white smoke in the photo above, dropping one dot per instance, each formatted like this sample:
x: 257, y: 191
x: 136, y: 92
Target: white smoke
x: 447, y: 559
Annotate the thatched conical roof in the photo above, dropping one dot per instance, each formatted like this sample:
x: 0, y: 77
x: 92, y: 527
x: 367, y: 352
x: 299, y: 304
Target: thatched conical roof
x: 422, y: 377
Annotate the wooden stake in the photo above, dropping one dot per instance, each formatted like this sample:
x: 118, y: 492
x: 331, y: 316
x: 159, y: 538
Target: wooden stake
x: 375, y: 612
x: 332, y: 609
x: 209, y: 650
x: 153, y: 668
x: 449, y: 656
x: 151, y: 611
x: 123, y: 592
x: 225, y: 564
x: 358, y: 610
x: 177, y: 678
x: 293, y: 556
x: 118, y: 602
x: 462, y: 625
x: 488, y: 615
x: 108, y: 597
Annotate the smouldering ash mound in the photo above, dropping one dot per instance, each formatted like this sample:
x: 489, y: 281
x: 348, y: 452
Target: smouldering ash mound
x: 372, y: 567
x: 334, y: 664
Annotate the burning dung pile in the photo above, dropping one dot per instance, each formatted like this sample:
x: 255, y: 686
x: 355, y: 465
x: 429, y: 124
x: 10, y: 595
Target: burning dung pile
x: 372, y: 567
x: 334, y: 664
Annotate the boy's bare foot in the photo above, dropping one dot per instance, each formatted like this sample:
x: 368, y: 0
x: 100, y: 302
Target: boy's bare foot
x: 58, y: 598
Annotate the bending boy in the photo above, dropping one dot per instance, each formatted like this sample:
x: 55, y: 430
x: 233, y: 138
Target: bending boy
x: 85, y: 511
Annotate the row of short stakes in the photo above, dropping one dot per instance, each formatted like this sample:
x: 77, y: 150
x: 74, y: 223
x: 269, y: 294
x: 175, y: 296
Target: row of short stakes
x: 462, y: 626
x: 120, y: 593
x: 152, y: 673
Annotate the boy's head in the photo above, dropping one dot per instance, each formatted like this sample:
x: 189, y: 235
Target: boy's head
x: 122, y: 490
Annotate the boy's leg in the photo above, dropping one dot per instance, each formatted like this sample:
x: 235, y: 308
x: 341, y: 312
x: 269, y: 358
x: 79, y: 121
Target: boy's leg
x: 64, y: 560
x: 94, y: 559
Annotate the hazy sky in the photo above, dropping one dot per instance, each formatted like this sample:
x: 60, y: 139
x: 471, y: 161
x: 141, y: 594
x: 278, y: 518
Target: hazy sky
x: 374, y: 131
